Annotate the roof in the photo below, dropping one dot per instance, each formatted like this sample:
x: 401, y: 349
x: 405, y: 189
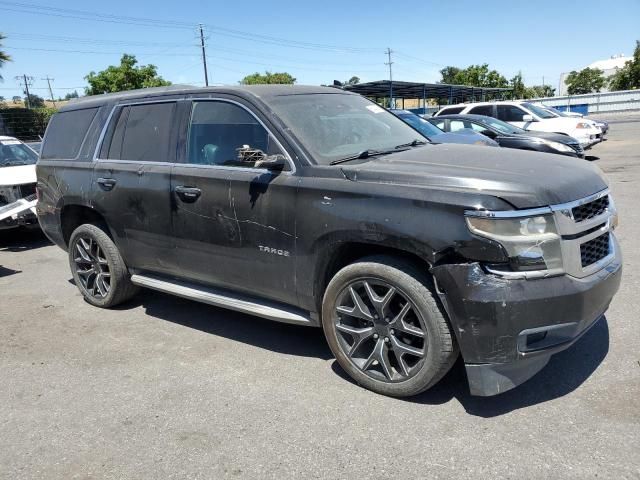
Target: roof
x: 259, y: 91
x: 380, y: 88
x: 617, y: 61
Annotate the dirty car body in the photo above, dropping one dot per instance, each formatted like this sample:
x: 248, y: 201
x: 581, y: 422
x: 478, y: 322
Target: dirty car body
x: 186, y: 219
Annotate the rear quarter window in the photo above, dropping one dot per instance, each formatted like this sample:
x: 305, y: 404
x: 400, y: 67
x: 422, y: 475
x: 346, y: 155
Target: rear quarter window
x: 450, y: 110
x: 66, y: 132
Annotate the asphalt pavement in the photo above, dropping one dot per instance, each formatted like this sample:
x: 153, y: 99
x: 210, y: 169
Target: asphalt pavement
x: 163, y: 387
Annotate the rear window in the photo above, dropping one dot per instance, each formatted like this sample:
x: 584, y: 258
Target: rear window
x: 450, y: 110
x: 65, y: 133
x: 482, y: 110
x: 141, y: 133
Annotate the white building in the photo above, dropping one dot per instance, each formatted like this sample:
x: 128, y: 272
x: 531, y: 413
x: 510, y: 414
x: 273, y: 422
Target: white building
x: 609, y: 66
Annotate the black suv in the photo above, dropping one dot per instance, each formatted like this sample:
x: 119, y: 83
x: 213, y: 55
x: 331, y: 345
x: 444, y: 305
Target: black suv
x: 315, y: 206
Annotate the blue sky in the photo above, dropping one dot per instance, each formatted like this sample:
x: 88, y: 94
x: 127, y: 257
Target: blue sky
x: 316, y: 42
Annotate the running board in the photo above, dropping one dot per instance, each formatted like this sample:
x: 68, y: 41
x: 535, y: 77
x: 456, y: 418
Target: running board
x: 231, y: 301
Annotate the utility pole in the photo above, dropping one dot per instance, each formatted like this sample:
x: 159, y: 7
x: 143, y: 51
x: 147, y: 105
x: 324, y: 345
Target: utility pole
x: 25, y: 81
x: 389, y: 52
x: 49, y: 80
x: 204, y: 57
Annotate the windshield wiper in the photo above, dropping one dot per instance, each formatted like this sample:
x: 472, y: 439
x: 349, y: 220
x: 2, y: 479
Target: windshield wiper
x: 363, y: 154
x: 414, y: 143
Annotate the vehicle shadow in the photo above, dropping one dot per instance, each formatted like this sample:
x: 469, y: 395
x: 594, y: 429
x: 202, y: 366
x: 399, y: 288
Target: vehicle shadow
x: 20, y: 240
x: 591, y: 158
x: 277, y: 337
x: 564, y: 373
x: 5, y: 272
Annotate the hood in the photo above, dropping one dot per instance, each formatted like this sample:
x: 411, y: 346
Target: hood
x: 552, y: 137
x: 524, y: 179
x: 17, y: 175
x: 465, y: 136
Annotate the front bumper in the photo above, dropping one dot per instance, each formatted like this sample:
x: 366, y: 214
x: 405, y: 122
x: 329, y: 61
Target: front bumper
x: 508, y: 329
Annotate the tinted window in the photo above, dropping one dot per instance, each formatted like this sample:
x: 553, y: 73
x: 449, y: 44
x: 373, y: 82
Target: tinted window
x: 450, y: 110
x: 439, y: 123
x: 510, y: 113
x: 483, y: 110
x: 220, y: 133
x: 65, y: 133
x: 142, y: 133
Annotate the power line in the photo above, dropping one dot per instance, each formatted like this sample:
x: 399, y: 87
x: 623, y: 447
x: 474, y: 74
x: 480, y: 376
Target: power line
x: 25, y: 81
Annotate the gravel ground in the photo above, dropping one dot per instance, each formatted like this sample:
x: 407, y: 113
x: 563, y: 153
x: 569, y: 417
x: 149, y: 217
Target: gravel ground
x: 166, y: 388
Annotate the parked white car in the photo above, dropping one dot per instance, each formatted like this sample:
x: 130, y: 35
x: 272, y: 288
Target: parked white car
x: 17, y: 184
x: 602, y: 125
x: 531, y: 117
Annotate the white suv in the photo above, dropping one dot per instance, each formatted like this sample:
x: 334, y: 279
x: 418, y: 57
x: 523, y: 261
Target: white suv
x: 531, y: 117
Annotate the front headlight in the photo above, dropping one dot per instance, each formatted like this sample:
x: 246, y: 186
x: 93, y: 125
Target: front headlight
x: 583, y: 125
x: 532, y: 243
x: 561, y: 147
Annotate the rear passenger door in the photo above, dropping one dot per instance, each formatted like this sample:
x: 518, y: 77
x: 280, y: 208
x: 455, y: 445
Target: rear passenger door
x: 234, y: 223
x: 131, y: 182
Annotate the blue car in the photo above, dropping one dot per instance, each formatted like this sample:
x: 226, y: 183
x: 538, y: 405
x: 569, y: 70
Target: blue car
x: 434, y: 134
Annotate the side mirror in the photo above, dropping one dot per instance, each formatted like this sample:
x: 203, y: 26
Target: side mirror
x: 272, y: 162
x: 528, y: 118
x: 488, y: 133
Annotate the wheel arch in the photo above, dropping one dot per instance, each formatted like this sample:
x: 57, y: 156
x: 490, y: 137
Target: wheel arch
x: 74, y: 215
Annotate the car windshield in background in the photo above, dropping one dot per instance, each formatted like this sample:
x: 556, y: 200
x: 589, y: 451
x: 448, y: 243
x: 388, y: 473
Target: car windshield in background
x: 420, y: 124
x: 539, y: 111
x: 13, y: 153
x: 503, y: 127
x: 336, y: 126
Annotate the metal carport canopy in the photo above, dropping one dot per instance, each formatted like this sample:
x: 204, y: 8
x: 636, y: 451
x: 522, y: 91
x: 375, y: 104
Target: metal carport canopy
x: 381, y: 88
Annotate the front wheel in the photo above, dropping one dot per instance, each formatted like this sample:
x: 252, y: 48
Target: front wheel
x: 386, y: 328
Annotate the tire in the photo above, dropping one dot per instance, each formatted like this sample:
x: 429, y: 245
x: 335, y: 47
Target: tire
x: 98, y: 269
x: 402, y: 371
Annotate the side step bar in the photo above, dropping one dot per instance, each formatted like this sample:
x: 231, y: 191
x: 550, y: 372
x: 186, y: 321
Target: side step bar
x: 232, y: 301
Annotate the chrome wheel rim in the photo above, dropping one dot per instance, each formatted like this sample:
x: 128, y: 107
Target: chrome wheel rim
x: 380, y: 330
x: 92, y: 267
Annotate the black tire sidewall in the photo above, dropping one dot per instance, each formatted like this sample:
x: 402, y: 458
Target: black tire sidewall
x: 431, y: 370
x: 114, y: 261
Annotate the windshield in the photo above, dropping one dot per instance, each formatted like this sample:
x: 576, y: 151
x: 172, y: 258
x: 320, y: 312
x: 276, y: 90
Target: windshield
x: 539, y: 111
x: 503, y: 127
x: 334, y: 126
x: 420, y: 124
x: 14, y: 152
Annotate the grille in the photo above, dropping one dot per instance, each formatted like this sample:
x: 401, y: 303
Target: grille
x: 594, y: 250
x: 27, y: 189
x: 590, y: 210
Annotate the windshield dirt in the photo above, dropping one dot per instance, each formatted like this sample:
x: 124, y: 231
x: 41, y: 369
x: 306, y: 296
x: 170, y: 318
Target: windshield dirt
x: 336, y: 126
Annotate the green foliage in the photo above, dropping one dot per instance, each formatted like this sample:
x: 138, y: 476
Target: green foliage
x: 126, y: 76
x: 628, y: 77
x: 352, y: 81
x: 26, y: 124
x: 35, y: 101
x: 521, y: 91
x: 587, y: 80
x: 268, y: 78
x: 16, y: 99
x: 71, y: 95
x: 474, y: 76
x: 4, y: 57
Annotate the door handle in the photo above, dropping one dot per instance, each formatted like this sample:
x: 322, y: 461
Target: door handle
x: 188, y: 194
x: 106, y: 183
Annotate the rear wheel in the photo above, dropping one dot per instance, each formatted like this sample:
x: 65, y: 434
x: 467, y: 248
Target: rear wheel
x: 97, y: 267
x: 386, y: 328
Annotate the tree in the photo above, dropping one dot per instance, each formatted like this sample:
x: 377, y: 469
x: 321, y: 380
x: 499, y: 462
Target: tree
x: 519, y: 88
x: 34, y: 101
x: 268, y: 78
x: 586, y: 80
x: 541, y: 91
x: 16, y: 99
x: 4, y: 57
x: 449, y: 74
x: 473, y: 76
x: 628, y: 77
x: 352, y: 81
x: 71, y: 95
x: 126, y: 76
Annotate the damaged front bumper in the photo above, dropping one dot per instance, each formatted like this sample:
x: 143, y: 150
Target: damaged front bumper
x: 19, y: 213
x: 508, y: 329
